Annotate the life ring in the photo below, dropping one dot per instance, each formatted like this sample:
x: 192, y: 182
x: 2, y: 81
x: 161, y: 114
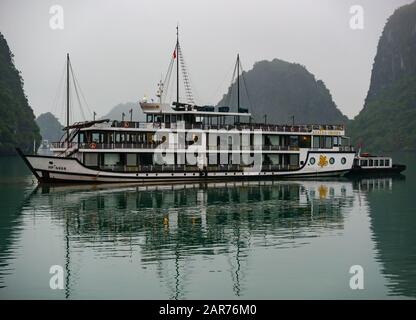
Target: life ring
x: 93, y: 145
x: 126, y: 124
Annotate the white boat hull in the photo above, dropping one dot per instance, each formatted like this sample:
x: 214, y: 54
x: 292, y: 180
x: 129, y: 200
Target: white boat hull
x: 60, y: 169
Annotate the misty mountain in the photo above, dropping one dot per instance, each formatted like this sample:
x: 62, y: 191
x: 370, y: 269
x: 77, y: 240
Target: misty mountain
x: 116, y: 112
x: 50, y: 127
x: 280, y: 90
x: 17, y: 121
x: 388, y: 119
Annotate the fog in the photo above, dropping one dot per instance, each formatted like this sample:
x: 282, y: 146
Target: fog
x: 119, y: 49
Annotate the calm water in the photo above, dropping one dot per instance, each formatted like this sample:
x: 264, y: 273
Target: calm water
x: 287, y: 239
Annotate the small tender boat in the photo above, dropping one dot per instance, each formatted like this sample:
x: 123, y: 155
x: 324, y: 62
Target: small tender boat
x: 366, y: 164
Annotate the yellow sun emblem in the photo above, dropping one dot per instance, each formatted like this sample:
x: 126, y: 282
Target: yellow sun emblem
x: 322, y: 190
x: 322, y: 161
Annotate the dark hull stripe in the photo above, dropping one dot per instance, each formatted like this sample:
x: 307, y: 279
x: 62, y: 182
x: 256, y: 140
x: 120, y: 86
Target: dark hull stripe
x: 100, y: 179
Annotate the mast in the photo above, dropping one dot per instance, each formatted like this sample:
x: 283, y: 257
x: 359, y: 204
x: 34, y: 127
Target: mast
x: 177, y: 65
x: 238, y: 82
x: 67, y: 97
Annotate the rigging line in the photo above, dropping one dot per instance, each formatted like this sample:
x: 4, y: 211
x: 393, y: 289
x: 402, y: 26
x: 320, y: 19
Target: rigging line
x: 83, y: 96
x: 193, y: 91
x: 58, y: 91
x: 212, y: 96
x: 78, y: 99
x: 80, y: 90
x: 245, y: 87
x: 167, y: 80
x: 185, y: 76
x: 230, y: 89
x: 76, y: 92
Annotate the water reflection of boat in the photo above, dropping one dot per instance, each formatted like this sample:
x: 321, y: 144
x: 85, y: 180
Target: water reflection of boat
x: 176, y: 222
x: 169, y: 227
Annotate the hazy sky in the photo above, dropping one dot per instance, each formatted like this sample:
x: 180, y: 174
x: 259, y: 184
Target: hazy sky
x: 120, y: 48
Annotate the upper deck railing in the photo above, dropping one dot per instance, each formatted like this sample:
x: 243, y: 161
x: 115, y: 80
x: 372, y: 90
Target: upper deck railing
x: 241, y: 126
x: 176, y: 146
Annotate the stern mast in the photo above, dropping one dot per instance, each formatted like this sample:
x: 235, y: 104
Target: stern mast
x: 177, y: 65
x: 67, y: 99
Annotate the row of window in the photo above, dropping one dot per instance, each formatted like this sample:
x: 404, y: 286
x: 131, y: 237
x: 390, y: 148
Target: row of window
x: 375, y: 163
x: 319, y: 142
x: 326, y: 142
x: 94, y: 159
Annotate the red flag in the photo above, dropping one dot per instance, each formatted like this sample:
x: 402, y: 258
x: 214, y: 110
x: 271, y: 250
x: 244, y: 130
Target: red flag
x: 174, y: 54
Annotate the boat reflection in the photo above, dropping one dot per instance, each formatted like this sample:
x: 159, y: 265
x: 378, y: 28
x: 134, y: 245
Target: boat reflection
x: 171, y: 224
x: 169, y: 227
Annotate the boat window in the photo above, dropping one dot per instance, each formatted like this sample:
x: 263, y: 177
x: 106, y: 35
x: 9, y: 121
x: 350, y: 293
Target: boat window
x: 331, y: 160
x: 328, y: 142
x: 294, y: 159
x: 312, y: 161
x: 305, y: 141
x: 131, y: 159
x: 370, y: 163
x: 149, y: 118
x: 294, y: 141
x: 91, y: 159
x: 381, y: 163
x: 376, y: 163
x: 96, y: 137
x: 387, y: 162
x: 364, y: 163
x: 81, y: 137
x: 316, y: 142
x: 111, y: 159
x: 336, y: 141
x: 343, y: 160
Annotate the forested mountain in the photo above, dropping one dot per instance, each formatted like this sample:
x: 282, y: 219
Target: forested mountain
x: 280, y: 90
x: 17, y: 121
x: 50, y: 127
x: 117, y: 111
x: 388, y: 119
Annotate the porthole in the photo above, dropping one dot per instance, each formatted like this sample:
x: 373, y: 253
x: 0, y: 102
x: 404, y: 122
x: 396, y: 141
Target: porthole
x: 331, y: 160
x: 312, y: 161
x: 343, y: 160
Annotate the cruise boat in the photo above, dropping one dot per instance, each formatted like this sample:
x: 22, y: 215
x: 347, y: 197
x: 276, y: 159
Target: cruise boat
x: 186, y: 142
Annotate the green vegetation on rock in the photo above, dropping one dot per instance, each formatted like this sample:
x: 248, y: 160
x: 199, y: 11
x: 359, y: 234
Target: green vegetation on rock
x: 388, y: 119
x: 280, y: 90
x: 50, y: 128
x: 17, y: 121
